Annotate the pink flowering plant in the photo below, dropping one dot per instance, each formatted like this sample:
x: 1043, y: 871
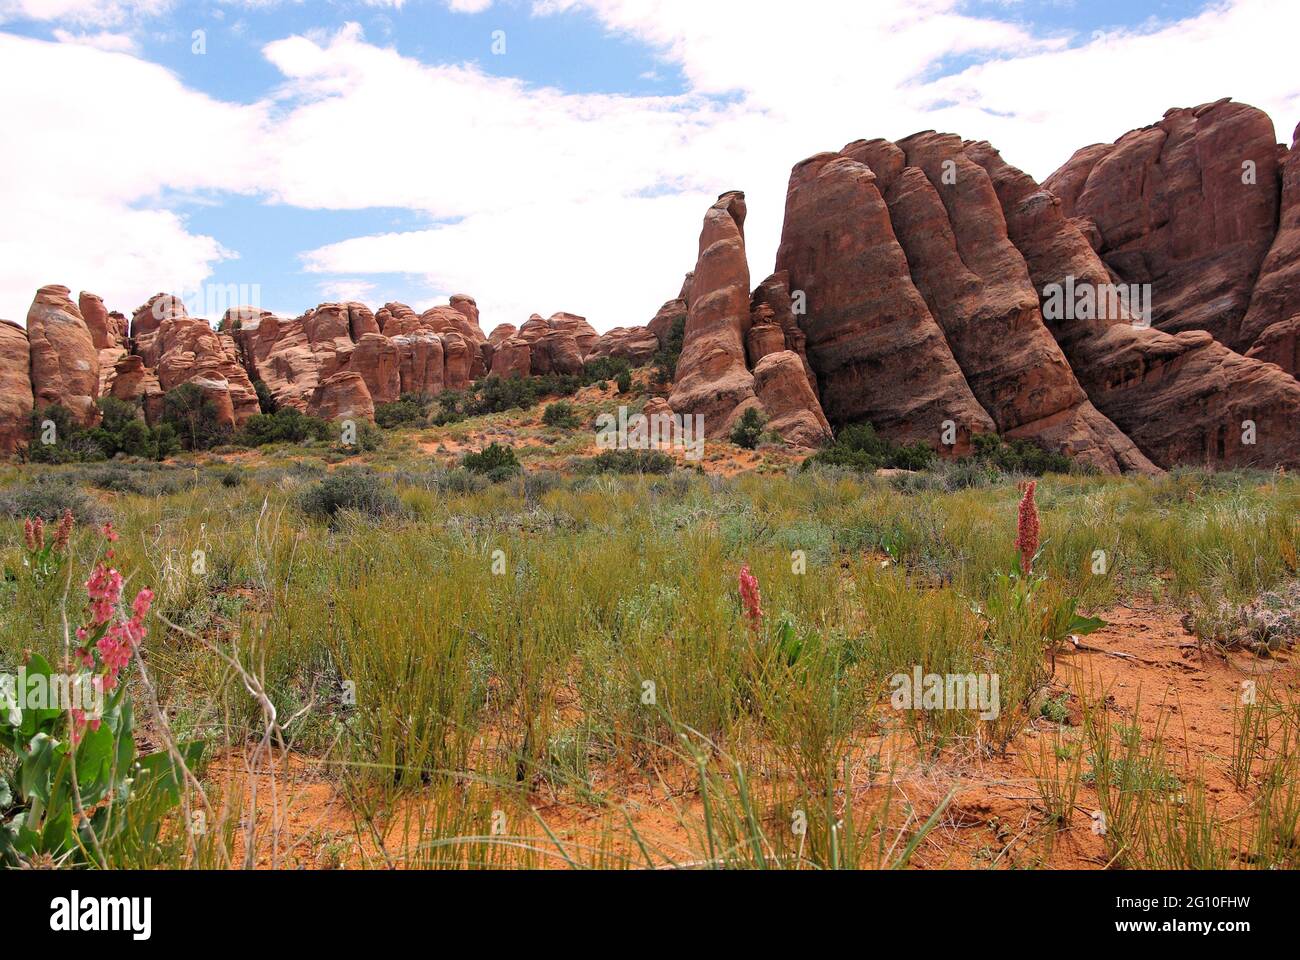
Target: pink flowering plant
x: 75, y: 790
x: 44, y: 554
x: 1025, y: 615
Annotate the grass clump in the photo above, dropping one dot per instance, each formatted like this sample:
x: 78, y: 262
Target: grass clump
x: 352, y: 489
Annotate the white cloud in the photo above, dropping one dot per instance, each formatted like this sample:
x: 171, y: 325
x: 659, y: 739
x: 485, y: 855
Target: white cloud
x: 550, y: 200
x: 99, y: 13
x: 468, y: 6
x: 106, y: 41
x: 91, y: 146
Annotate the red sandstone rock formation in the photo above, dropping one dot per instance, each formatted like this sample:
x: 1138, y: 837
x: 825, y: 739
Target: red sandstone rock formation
x: 1189, y: 205
x: 876, y: 349
x: 1274, y: 313
x: 636, y: 345
x: 64, y: 361
x: 512, y: 358
x: 15, y: 388
x: 1182, y: 398
x: 712, y: 378
x: 721, y: 343
x: 343, y: 396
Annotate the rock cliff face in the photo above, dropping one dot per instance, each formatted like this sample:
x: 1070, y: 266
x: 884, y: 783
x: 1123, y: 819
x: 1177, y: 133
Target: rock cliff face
x: 1188, y: 205
x: 713, y: 377
x: 1182, y: 398
x: 939, y: 234
x: 15, y: 388
x: 64, y: 361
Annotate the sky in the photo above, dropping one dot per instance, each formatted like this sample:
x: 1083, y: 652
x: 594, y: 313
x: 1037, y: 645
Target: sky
x: 540, y: 155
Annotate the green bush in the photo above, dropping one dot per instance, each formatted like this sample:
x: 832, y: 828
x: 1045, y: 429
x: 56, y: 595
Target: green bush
x: 286, y: 425
x: 265, y: 398
x: 495, y: 461
x: 561, y: 414
x: 665, y: 359
x: 858, y: 447
x: 628, y: 461
x: 1018, y: 455
x: 411, y: 410
x: 748, y: 430
x: 358, y: 490
x: 194, y: 418
x: 121, y: 431
x: 625, y: 382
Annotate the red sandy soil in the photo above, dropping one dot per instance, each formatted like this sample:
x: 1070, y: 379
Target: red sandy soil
x: 996, y: 818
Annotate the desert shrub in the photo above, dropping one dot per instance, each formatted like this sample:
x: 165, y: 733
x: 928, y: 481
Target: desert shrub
x: 561, y: 414
x: 604, y: 368
x: 265, y: 398
x: 624, y: 382
x: 542, y: 482
x: 858, y: 446
x: 628, y: 461
x: 141, y: 479
x: 410, y: 410
x: 495, y: 461
x: 748, y: 430
x: 1018, y: 455
x: 461, y: 480
x: 285, y: 425
x: 48, y: 497
x: 665, y: 359
x: 231, y: 477
x: 357, y: 490
x: 194, y: 418
x: 120, y: 431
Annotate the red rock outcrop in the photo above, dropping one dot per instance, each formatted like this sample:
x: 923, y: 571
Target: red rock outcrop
x: 670, y: 314
x: 773, y: 295
x: 948, y: 219
x: 1280, y: 344
x: 190, y: 351
x: 781, y: 385
x: 378, y: 360
x: 1183, y: 398
x: 1274, y: 311
x: 15, y: 388
x: 360, y: 320
x: 512, y: 358
x: 584, y: 334
x: 135, y: 383
x: 712, y: 378
x: 108, y: 331
x: 1188, y: 205
x: 877, y: 352
x: 420, y: 363
x: 343, y: 396
x: 64, y: 361
x: 459, y: 354
x: 636, y: 345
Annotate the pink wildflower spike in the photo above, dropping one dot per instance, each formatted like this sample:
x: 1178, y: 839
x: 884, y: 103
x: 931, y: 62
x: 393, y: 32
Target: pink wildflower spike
x: 750, y: 597
x: 1027, y: 528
